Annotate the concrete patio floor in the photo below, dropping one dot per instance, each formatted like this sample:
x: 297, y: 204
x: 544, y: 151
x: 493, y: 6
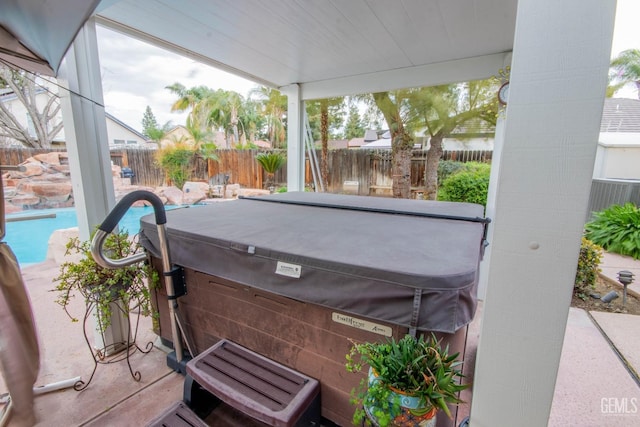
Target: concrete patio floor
x: 596, y: 385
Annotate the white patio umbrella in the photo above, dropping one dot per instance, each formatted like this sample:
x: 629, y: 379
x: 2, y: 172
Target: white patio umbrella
x: 19, y: 352
x: 36, y: 34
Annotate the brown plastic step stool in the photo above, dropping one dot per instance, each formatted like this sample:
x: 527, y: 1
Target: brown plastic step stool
x: 254, y: 385
x: 177, y: 415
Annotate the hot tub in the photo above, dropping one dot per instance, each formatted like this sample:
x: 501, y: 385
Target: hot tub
x: 294, y: 276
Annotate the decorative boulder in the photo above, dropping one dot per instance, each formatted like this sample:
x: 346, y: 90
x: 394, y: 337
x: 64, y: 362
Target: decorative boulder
x: 194, y: 192
x: 172, y: 194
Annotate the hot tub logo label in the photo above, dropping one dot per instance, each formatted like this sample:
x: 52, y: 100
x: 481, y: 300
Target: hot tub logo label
x: 354, y: 322
x: 289, y: 270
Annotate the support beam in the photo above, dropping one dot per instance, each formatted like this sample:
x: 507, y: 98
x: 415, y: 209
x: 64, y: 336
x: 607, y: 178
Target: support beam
x: 461, y: 70
x: 295, y: 141
x: 558, y: 78
x: 85, y: 131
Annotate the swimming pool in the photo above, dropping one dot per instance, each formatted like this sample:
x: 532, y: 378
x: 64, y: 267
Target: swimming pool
x: 29, y: 239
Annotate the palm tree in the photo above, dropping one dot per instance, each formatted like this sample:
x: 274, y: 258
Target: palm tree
x: 329, y: 112
x: 187, y: 98
x: 274, y: 108
x: 626, y: 69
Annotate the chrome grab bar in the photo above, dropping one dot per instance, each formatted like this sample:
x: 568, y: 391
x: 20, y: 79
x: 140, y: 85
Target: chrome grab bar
x: 111, y: 221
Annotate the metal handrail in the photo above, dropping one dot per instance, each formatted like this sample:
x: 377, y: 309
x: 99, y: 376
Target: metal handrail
x: 110, y: 223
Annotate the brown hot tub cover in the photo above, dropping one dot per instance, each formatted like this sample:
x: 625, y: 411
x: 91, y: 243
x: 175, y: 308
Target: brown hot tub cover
x: 408, y: 262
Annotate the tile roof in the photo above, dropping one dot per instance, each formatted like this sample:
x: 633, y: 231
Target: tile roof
x: 620, y: 115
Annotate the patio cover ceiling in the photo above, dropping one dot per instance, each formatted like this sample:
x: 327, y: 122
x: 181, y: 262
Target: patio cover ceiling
x: 329, y: 47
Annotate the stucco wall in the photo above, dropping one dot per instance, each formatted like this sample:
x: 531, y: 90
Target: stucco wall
x: 618, y: 156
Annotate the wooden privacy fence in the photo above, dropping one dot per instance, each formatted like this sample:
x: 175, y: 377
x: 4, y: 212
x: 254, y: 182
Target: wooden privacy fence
x: 361, y: 170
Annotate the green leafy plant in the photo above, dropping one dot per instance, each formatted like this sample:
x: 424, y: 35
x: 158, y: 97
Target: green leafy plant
x: 101, y: 286
x: 175, y: 159
x: 208, y: 151
x: 446, y: 168
x: 470, y: 184
x: 271, y: 162
x: 587, y: 272
x: 616, y: 229
x: 420, y: 367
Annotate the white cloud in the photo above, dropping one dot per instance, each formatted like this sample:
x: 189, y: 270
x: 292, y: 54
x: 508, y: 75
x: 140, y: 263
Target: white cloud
x: 135, y: 74
x: 626, y: 34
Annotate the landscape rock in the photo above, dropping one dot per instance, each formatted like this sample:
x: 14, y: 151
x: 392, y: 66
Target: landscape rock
x: 52, y: 158
x: 246, y: 192
x: 172, y: 194
x: 64, y: 169
x: 46, y: 183
x: 9, y: 208
x: 24, y: 201
x: 32, y: 169
x: 57, y: 246
x: 232, y: 191
x: 52, y: 191
x: 194, y: 192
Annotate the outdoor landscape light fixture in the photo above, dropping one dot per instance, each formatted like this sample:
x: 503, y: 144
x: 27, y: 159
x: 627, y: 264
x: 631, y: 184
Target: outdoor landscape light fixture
x: 626, y: 278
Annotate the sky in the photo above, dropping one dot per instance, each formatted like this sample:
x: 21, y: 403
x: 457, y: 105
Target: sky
x: 135, y: 74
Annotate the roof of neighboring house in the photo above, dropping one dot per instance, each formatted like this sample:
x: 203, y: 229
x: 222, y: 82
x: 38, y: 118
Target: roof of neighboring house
x: 126, y: 126
x: 370, y: 135
x: 262, y: 144
x: 334, y: 144
x: 620, y: 115
x: 356, y: 142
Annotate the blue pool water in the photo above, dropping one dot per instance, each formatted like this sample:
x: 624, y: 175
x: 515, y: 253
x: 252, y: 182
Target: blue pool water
x: 29, y: 239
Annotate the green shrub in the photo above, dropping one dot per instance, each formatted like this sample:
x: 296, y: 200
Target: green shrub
x: 616, y: 229
x: 446, y: 168
x: 174, y: 160
x: 587, y: 272
x: 470, y: 184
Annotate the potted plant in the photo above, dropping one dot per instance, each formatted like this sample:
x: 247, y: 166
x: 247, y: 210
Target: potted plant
x: 408, y: 382
x: 111, y: 293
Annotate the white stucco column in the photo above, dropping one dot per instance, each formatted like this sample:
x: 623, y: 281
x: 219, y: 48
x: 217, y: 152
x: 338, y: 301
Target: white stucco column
x: 295, y: 141
x: 558, y: 78
x: 85, y: 131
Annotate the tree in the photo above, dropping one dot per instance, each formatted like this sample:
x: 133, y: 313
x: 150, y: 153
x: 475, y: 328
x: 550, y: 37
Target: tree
x: 625, y: 69
x: 221, y: 109
x: 395, y: 108
x: 158, y: 134
x: 442, y: 110
x: 187, y: 98
x: 149, y: 122
x: 328, y: 112
x: 44, y: 119
x: 354, y: 127
x: 274, y: 108
x: 251, y: 121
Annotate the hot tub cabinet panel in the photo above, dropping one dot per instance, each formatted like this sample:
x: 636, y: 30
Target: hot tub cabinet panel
x: 296, y: 283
